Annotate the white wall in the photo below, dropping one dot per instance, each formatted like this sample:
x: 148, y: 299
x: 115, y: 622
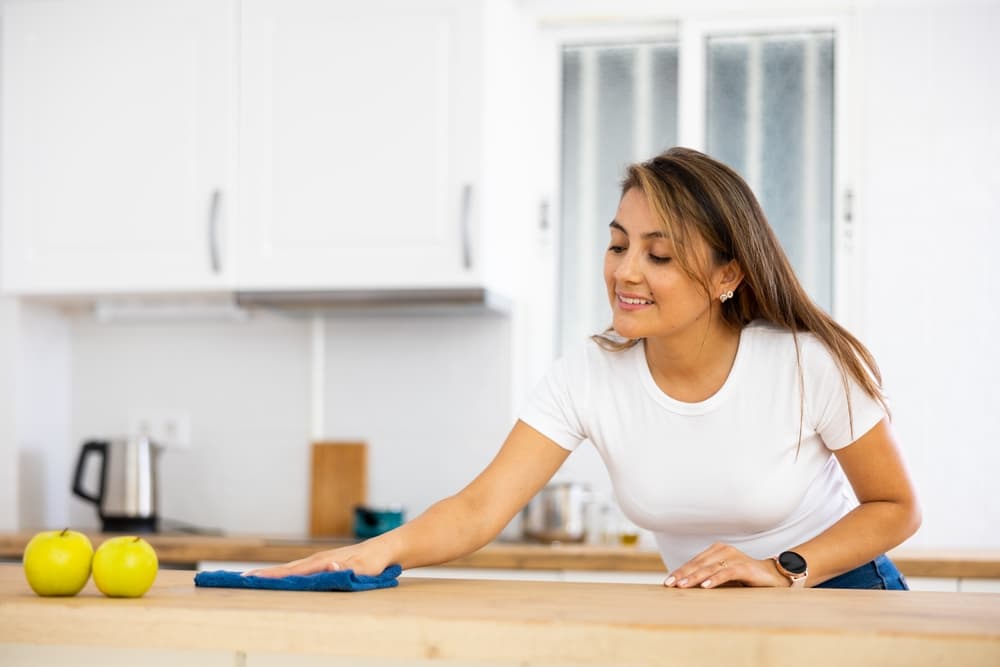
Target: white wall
x: 929, y: 196
x: 430, y: 396
x: 42, y: 407
x: 243, y: 385
x: 34, y: 416
x: 8, y: 441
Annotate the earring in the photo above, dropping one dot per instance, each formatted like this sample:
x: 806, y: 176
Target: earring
x: 724, y: 297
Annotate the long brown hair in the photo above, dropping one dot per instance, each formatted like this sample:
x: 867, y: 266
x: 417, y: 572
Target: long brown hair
x: 693, y: 194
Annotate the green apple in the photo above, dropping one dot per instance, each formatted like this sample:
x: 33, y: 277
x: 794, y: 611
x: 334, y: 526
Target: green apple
x: 125, y: 567
x: 57, y: 562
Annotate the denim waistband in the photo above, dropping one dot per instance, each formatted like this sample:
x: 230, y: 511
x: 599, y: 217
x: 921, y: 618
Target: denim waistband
x: 880, y: 573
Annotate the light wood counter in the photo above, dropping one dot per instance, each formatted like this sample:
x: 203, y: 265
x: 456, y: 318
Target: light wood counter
x: 187, y: 550
x: 519, y: 622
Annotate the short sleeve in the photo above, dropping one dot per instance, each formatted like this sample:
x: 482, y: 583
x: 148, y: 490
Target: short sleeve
x: 554, y: 408
x: 826, y: 401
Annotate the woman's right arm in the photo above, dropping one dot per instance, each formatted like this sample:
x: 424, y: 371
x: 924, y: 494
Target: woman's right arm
x: 455, y: 526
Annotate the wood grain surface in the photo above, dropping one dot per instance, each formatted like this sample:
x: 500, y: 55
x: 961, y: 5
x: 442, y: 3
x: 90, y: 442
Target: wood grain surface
x: 188, y: 550
x: 339, y: 479
x: 524, y: 623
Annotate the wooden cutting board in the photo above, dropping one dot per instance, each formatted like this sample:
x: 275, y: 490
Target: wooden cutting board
x: 339, y: 482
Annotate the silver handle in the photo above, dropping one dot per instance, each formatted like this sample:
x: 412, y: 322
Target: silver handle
x: 466, y: 220
x: 213, y: 230
x: 849, y: 214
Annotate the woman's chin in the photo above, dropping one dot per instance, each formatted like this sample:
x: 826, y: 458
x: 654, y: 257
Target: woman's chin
x: 627, y: 329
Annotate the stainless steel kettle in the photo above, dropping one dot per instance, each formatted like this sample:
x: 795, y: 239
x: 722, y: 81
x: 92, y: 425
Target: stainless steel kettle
x: 126, y: 499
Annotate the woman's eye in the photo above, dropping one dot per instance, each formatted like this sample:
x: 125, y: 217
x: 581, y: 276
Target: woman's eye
x: 656, y: 259
x: 616, y: 249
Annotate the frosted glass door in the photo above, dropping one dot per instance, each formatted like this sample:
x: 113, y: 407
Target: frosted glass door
x: 619, y: 106
x: 770, y: 116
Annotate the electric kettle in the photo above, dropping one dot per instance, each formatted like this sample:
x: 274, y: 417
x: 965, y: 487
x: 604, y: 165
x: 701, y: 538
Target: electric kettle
x: 126, y: 497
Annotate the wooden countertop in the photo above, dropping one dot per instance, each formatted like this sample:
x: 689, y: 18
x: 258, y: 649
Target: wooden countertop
x: 188, y: 550
x: 523, y: 623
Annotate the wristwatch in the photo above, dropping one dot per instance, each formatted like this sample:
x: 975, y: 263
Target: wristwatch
x: 793, y: 566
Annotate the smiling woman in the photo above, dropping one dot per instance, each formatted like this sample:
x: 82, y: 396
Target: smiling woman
x: 734, y: 416
x: 640, y: 272
x: 707, y: 309
x: 653, y: 295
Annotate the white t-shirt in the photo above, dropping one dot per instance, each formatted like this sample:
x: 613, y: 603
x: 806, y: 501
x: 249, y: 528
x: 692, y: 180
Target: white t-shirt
x: 722, y: 470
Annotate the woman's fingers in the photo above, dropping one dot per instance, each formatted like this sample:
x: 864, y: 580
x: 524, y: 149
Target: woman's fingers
x: 702, y: 575
x: 273, y: 571
x: 723, y: 573
x: 721, y: 565
x: 347, y: 558
x: 323, y: 561
x: 699, y: 568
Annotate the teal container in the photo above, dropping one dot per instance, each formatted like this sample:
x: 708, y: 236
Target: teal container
x: 372, y: 521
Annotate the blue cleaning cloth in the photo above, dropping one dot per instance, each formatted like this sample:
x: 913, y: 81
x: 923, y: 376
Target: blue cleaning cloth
x: 341, y: 580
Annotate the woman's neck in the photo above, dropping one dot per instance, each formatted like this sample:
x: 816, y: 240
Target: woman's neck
x: 693, y: 365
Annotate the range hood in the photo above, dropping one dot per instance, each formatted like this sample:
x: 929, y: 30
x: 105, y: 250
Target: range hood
x: 240, y: 304
x: 423, y: 300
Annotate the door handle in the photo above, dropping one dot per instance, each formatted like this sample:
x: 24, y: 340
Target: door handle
x: 213, y: 230
x: 466, y: 222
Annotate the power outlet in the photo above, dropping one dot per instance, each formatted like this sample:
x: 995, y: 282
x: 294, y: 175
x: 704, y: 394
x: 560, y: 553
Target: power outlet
x: 172, y: 429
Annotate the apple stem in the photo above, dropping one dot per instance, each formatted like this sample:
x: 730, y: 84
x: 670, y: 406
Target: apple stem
x: 63, y: 533
x: 136, y: 539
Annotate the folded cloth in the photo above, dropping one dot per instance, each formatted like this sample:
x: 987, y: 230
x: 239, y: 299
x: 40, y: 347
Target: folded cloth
x: 341, y: 580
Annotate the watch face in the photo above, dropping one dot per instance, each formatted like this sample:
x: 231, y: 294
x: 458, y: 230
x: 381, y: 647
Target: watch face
x: 792, y: 562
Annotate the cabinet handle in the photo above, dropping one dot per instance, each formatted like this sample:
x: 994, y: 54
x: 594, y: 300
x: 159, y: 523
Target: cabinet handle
x: 466, y: 220
x: 213, y: 230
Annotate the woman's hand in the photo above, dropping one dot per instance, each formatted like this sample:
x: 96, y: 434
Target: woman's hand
x: 367, y: 557
x: 724, y: 565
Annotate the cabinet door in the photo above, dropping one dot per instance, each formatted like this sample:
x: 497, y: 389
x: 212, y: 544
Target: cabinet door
x: 360, y: 143
x: 116, y: 144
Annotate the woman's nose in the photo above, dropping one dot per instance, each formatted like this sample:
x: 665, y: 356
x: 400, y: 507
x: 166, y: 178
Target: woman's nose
x: 628, y: 268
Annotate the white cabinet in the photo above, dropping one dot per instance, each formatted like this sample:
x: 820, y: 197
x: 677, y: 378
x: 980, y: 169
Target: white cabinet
x: 117, y: 138
x: 189, y: 146
x: 360, y: 133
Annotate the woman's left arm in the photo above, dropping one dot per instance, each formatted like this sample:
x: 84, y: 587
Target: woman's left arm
x: 888, y: 514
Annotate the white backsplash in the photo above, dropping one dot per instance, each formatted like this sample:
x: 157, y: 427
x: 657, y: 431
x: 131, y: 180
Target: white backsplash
x: 430, y: 396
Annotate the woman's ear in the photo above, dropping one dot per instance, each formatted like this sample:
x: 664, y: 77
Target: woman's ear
x: 730, y: 276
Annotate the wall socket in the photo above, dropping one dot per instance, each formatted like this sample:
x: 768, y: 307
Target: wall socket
x: 170, y: 429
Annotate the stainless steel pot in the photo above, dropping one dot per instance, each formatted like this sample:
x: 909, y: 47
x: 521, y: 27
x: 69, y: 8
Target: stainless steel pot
x: 557, y: 513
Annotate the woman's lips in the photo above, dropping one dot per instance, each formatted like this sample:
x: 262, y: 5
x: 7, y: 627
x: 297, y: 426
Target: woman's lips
x: 632, y: 302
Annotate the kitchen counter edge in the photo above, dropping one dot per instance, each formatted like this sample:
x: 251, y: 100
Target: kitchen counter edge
x: 187, y: 550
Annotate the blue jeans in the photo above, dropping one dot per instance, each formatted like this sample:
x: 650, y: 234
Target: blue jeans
x: 879, y: 573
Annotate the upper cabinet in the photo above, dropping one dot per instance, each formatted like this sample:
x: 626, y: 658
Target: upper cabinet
x: 360, y: 132
x: 117, y: 142
x: 192, y: 145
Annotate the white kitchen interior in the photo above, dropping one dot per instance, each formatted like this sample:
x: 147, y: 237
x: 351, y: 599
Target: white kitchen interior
x: 433, y: 390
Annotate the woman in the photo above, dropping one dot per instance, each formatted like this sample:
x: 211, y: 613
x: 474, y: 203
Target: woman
x: 734, y: 416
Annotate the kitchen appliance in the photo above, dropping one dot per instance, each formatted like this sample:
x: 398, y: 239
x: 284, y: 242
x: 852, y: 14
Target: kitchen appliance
x: 126, y: 497
x: 557, y: 513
